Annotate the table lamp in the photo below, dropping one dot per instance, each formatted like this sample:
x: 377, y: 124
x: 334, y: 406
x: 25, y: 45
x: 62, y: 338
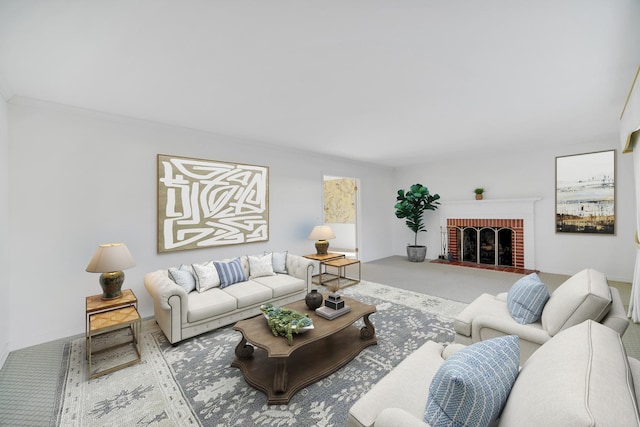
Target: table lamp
x: 321, y: 233
x: 110, y: 259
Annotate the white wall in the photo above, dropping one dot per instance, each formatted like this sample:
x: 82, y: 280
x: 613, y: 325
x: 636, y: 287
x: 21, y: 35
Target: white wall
x: 79, y: 179
x: 5, y: 290
x: 345, y: 236
x: 523, y: 175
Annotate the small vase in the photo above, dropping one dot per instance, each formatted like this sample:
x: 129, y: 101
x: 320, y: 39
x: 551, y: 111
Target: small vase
x: 313, y: 299
x: 478, y: 196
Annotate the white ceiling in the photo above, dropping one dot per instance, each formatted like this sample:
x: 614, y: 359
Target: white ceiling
x: 385, y: 82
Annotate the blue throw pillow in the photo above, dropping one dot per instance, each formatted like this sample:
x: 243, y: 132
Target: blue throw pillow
x: 183, y: 277
x: 279, y: 261
x: 526, y: 299
x: 472, y: 386
x: 230, y: 272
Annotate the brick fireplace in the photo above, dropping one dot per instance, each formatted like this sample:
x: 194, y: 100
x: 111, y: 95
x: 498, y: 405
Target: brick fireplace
x: 497, y: 251
x: 493, y: 215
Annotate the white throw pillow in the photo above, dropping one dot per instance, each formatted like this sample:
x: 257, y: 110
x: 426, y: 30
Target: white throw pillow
x: 260, y: 265
x: 206, y: 276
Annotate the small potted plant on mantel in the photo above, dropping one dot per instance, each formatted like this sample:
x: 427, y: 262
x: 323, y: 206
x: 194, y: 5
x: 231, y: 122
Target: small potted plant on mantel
x: 411, y: 206
x: 479, y: 192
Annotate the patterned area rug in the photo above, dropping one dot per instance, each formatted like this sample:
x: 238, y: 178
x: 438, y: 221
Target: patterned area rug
x: 193, y: 383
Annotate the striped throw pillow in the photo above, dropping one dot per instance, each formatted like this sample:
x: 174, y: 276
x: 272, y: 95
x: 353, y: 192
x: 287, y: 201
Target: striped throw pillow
x: 230, y: 272
x: 472, y: 386
x: 526, y: 299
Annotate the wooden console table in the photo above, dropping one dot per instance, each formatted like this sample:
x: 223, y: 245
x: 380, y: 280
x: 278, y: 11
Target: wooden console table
x: 280, y: 370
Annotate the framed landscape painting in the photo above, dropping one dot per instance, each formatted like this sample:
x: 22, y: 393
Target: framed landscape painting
x: 206, y: 203
x: 586, y: 193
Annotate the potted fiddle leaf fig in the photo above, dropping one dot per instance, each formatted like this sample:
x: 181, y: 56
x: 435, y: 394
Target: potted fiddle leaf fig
x: 411, y: 205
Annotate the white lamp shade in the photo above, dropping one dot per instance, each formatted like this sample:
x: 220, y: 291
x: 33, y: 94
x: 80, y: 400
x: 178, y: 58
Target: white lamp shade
x: 321, y: 232
x: 111, y: 257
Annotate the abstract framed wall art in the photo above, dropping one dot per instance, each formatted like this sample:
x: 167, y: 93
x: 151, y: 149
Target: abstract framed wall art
x: 586, y: 193
x: 208, y: 203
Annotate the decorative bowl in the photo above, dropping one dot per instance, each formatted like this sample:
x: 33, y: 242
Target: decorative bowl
x: 300, y: 330
x: 283, y: 321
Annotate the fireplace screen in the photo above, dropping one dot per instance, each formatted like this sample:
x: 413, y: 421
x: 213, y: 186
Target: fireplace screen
x: 486, y: 241
x: 485, y: 245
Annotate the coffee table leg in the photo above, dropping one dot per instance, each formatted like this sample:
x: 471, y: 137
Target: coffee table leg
x: 280, y: 375
x: 244, y: 350
x: 367, y: 331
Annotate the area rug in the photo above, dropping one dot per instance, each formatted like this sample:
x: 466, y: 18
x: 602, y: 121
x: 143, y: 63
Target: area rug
x: 192, y: 383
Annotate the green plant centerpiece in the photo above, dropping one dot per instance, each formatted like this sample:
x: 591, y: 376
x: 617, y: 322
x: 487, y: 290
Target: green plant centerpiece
x: 284, y: 321
x: 479, y: 192
x: 411, y: 206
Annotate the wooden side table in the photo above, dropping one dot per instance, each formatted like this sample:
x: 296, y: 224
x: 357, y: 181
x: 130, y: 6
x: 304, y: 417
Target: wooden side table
x: 322, y: 259
x: 341, y: 265
x: 104, y: 316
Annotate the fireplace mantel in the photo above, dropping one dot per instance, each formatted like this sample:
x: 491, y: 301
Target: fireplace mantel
x: 497, y: 209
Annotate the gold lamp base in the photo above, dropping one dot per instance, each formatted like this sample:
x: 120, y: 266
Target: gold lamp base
x: 321, y: 247
x: 111, y: 284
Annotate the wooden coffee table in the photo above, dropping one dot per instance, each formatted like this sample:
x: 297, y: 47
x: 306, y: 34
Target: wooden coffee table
x: 281, y: 370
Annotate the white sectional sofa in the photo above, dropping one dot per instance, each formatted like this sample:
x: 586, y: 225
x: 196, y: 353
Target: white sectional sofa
x: 580, y: 377
x: 192, y: 299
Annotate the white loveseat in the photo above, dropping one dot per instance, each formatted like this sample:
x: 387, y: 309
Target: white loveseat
x: 580, y: 377
x: 182, y: 314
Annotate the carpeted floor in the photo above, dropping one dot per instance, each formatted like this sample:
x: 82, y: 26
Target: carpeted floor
x: 464, y: 284
x: 29, y: 379
x: 193, y: 383
x: 456, y: 282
